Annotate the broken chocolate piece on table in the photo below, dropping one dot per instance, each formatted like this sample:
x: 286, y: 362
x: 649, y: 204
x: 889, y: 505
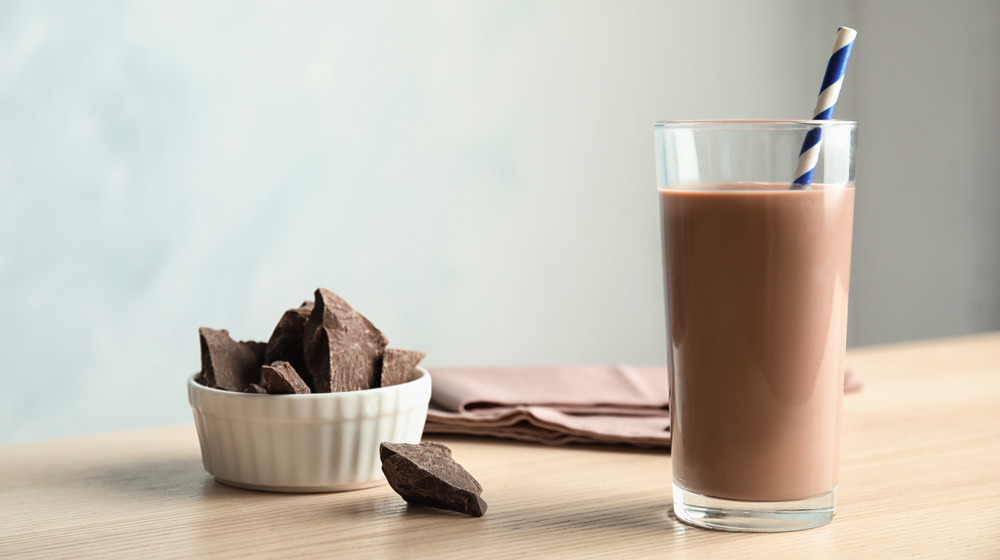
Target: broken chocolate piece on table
x: 282, y: 379
x: 285, y: 344
x: 397, y: 365
x: 343, y: 350
x: 255, y: 388
x: 425, y: 474
x: 225, y: 363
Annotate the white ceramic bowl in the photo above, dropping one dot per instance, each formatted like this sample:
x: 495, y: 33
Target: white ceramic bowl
x: 323, y: 442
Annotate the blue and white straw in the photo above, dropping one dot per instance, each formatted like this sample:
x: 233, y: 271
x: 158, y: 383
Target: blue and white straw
x: 828, y: 94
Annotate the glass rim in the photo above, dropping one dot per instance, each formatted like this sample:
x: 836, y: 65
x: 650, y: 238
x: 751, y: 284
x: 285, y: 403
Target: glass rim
x: 756, y: 124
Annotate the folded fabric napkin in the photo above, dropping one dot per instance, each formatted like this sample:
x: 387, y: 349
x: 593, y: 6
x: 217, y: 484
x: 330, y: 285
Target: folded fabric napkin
x: 558, y: 405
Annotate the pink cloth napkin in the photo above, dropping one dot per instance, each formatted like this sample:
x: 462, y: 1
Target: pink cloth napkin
x: 558, y: 405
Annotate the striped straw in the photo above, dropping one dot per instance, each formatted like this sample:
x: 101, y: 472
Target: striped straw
x: 828, y: 94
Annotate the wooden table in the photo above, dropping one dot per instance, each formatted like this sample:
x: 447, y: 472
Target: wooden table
x: 920, y: 477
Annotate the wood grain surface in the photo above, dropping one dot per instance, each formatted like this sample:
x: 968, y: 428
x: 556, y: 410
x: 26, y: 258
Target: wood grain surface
x: 920, y: 477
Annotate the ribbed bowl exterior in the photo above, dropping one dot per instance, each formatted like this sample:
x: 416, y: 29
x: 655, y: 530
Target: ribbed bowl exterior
x: 324, y: 442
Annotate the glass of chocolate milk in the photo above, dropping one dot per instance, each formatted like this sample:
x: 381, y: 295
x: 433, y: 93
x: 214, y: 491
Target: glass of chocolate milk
x: 756, y: 278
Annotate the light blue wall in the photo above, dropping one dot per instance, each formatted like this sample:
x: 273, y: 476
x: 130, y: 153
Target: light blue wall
x: 477, y: 178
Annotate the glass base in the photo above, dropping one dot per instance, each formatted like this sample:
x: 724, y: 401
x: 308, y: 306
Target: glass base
x: 754, y: 517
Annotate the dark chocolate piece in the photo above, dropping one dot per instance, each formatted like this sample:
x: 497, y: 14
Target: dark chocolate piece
x: 343, y: 350
x: 258, y: 349
x: 255, y: 388
x: 426, y: 475
x: 397, y: 365
x: 282, y: 379
x: 225, y: 363
x: 286, y: 344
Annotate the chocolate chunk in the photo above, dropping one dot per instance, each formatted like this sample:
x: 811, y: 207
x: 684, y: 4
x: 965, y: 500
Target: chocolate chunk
x: 343, y: 350
x: 286, y: 345
x: 397, y: 365
x: 225, y: 363
x: 282, y: 379
x: 426, y: 475
x: 255, y: 388
x: 258, y: 349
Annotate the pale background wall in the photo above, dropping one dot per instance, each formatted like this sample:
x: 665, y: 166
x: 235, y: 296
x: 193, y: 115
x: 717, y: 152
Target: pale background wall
x: 477, y: 178
x: 926, y: 259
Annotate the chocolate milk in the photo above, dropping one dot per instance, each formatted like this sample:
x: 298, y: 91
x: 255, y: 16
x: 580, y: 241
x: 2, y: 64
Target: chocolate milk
x: 756, y: 292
